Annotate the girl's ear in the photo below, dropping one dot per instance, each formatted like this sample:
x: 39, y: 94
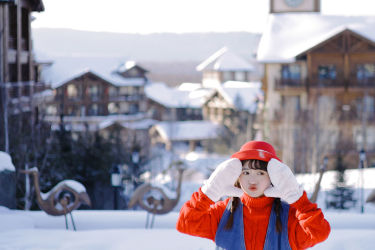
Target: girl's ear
x: 237, y: 183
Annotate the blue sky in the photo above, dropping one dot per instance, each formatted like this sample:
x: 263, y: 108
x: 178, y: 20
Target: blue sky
x: 179, y: 16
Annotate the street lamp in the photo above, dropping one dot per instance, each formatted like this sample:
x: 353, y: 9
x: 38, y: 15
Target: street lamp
x: 362, y: 158
x: 135, y: 160
x: 325, y: 162
x: 116, y: 183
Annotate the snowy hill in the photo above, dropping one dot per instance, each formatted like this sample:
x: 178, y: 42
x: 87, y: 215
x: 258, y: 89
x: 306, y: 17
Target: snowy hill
x: 161, y: 47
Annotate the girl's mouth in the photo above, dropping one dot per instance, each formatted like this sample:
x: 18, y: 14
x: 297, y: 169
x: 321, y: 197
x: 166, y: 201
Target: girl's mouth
x: 252, y: 188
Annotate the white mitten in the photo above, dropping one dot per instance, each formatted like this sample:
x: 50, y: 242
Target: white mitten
x: 285, y: 185
x: 221, y: 181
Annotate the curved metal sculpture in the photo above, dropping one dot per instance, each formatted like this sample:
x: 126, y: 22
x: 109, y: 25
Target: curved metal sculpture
x: 62, y: 199
x: 153, y: 199
x: 371, y: 197
x: 314, y: 196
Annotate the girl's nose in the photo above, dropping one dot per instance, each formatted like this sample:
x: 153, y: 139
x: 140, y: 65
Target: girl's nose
x: 252, y: 179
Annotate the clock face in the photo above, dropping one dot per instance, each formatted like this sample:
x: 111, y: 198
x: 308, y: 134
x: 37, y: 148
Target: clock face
x: 293, y: 3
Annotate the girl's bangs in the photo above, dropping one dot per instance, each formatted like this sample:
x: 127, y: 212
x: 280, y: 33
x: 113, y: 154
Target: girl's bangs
x: 255, y: 164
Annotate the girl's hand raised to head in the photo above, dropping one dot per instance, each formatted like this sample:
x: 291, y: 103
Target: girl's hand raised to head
x: 221, y: 181
x: 285, y: 185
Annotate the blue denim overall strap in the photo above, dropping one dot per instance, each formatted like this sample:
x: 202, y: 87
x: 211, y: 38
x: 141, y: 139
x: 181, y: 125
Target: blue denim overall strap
x: 275, y: 240
x: 232, y: 239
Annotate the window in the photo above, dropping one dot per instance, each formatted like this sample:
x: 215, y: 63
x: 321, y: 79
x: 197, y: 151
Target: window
x: 327, y: 72
x: 369, y: 104
x: 94, y: 109
x: 72, y: 110
x: 12, y: 72
x: 25, y: 72
x: 25, y: 28
x: 112, y: 91
x: 227, y: 76
x: 133, y: 72
x: 94, y: 91
x: 134, y: 108
x: 112, y: 108
x: 131, y: 90
x: 366, y: 106
x: 124, y: 90
x: 83, y: 110
x: 51, y: 110
x: 291, y: 71
x: 365, y: 71
x: 72, y: 91
x: 124, y: 108
x: 12, y: 14
x: 291, y: 103
x: 240, y: 76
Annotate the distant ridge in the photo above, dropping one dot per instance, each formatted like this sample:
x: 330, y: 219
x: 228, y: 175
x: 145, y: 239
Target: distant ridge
x: 170, y: 57
x: 149, y: 47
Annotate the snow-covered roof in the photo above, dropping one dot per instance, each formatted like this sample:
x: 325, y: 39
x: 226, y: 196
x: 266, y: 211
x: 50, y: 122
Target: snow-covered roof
x: 66, y: 69
x: 289, y: 35
x: 242, y: 95
x: 225, y: 60
x: 6, y: 162
x: 188, y: 130
x: 126, y: 66
x: 189, y: 86
x: 176, y: 98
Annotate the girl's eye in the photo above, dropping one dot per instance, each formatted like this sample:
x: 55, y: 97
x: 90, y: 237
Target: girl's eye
x: 260, y: 173
x: 245, y: 172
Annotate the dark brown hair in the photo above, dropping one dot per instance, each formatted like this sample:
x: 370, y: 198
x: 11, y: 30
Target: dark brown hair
x: 254, y: 164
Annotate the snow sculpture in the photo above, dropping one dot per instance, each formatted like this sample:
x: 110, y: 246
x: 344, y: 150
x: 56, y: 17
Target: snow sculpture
x: 153, y: 197
x: 62, y: 199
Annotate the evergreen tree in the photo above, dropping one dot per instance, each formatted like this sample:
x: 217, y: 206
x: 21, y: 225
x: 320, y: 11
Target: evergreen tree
x: 341, y: 197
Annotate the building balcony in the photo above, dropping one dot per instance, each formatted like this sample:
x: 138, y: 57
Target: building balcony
x: 362, y: 83
x: 326, y: 83
x: 353, y: 82
x: 283, y: 83
x: 299, y: 116
x: 126, y: 98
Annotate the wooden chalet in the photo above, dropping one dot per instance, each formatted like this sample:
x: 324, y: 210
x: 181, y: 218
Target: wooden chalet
x: 173, y: 104
x: 98, y: 93
x: 235, y: 105
x: 223, y: 66
x: 185, y: 136
x: 319, y: 87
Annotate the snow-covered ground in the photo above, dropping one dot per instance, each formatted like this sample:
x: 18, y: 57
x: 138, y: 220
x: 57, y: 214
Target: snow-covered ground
x: 34, y: 230
x: 114, y: 230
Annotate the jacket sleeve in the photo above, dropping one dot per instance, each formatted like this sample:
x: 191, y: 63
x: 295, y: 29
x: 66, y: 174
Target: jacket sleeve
x: 200, y: 216
x: 307, y: 225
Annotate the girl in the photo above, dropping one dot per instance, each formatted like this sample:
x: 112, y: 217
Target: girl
x: 258, y: 219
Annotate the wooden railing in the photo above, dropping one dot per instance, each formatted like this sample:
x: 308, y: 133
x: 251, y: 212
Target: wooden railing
x: 353, y: 82
x: 283, y: 83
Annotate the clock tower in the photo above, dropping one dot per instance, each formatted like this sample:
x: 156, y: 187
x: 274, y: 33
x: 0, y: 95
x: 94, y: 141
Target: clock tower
x: 288, y: 6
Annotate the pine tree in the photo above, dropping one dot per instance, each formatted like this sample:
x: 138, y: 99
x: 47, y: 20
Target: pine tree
x: 341, y: 197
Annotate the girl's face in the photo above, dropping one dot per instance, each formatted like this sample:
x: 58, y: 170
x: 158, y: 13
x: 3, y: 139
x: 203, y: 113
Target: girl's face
x: 254, y: 181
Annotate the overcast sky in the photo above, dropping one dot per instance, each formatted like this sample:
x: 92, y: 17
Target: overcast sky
x: 180, y: 16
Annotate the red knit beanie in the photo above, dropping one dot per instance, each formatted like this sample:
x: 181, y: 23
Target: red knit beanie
x: 258, y: 150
